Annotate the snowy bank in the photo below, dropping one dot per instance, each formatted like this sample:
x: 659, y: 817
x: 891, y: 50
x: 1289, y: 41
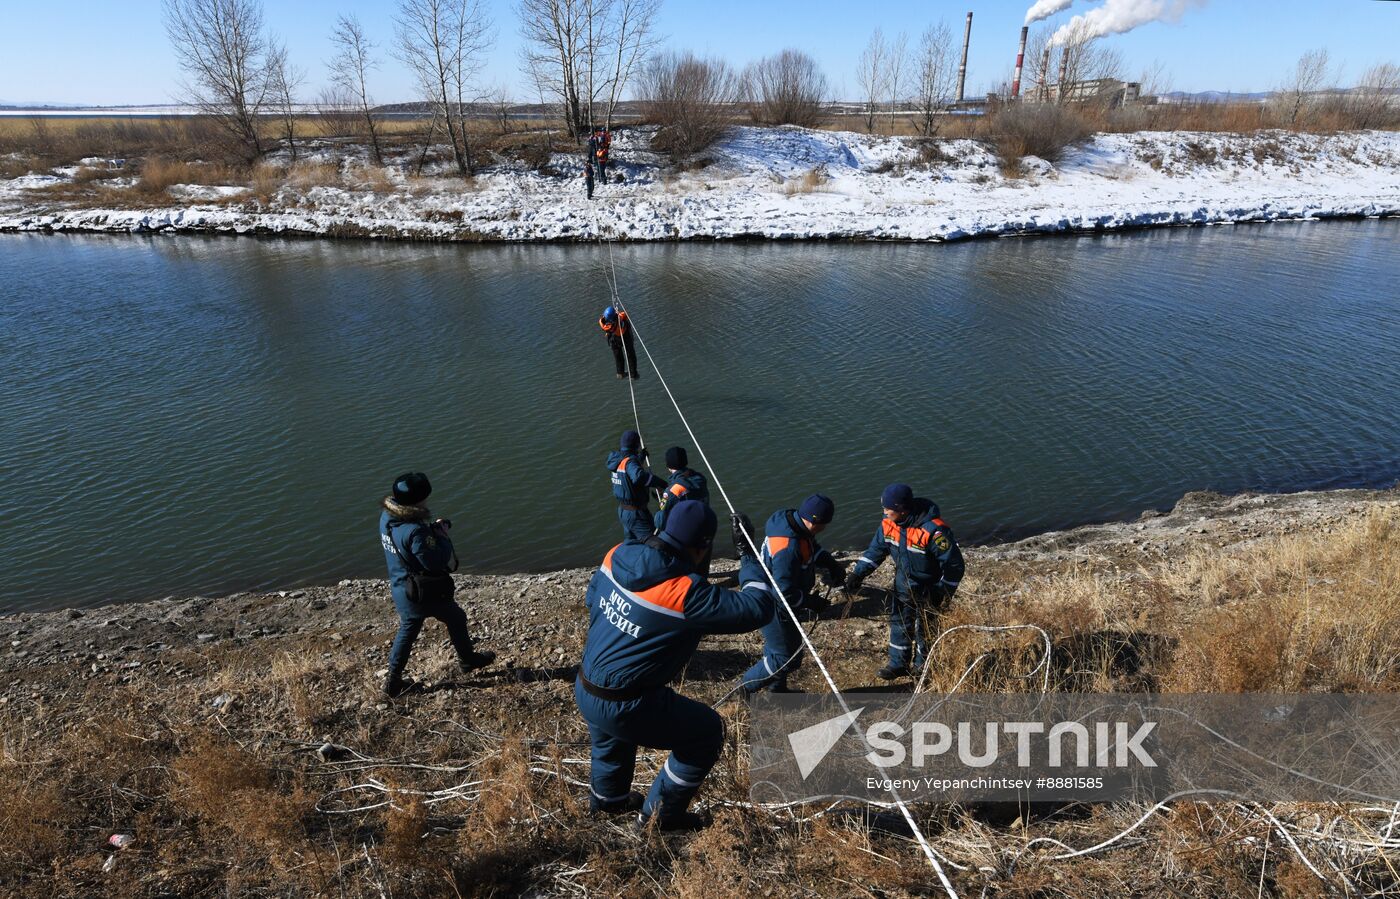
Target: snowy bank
x: 788, y: 183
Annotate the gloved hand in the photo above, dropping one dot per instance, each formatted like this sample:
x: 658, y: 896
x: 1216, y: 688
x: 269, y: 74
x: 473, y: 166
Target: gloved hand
x: 644, y: 456
x: 739, y: 523
x: 834, y: 572
x: 817, y: 603
x: 853, y: 582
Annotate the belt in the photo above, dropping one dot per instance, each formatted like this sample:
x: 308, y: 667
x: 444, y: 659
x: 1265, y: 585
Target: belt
x: 631, y: 508
x: 625, y: 695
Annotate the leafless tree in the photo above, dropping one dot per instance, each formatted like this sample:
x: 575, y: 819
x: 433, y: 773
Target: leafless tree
x: 581, y: 51
x: 629, y: 39
x: 1155, y: 80
x: 1083, y: 57
x: 690, y: 98
x: 283, y: 82
x: 786, y: 89
x: 1310, y: 75
x: 349, y: 70
x: 221, y: 46
x: 498, y: 97
x: 1377, y: 97
x: 871, y: 73
x: 334, y: 112
x: 896, y: 72
x: 443, y: 42
x: 935, y: 72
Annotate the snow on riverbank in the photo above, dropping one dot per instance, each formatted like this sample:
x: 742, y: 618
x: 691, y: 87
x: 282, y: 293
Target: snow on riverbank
x: 791, y: 183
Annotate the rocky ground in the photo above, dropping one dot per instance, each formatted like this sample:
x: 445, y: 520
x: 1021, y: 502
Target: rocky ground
x: 239, y: 745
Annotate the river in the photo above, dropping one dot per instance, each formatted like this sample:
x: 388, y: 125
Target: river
x: 193, y: 416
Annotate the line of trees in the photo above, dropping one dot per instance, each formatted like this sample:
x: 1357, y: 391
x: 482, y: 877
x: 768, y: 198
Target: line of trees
x: 894, y: 77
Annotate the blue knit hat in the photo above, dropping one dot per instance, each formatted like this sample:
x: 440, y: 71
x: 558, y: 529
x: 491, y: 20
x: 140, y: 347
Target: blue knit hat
x: 897, y: 497
x: 411, y: 488
x: 631, y: 440
x: 677, y: 458
x: 690, y: 524
x: 817, y: 509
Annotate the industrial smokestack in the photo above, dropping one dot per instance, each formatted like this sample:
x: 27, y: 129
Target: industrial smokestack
x: 1064, y: 73
x: 1044, y: 92
x: 962, y: 67
x: 1020, y: 58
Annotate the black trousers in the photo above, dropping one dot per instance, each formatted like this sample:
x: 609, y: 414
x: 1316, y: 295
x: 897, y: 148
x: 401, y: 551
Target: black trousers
x: 617, y: 344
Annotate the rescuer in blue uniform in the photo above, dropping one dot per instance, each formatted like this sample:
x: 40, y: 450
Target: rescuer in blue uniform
x: 928, y: 566
x: 648, y: 607
x: 630, y: 483
x: 420, y: 557
x: 684, y: 483
x: 792, y: 554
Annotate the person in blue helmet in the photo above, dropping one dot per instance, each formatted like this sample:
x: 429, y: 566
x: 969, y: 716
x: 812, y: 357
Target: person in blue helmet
x: 617, y: 327
x: 419, y: 554
x: 631, y: 482
x: 684, y: 483
x: 928, y: 566
x: 649, y: 605
x: 792, y: 554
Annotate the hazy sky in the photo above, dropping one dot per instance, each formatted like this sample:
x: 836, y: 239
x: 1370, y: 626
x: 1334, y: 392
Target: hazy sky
x: 106, y: 52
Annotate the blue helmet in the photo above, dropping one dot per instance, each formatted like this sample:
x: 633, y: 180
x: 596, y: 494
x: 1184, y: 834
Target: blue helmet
x: 610, y: 313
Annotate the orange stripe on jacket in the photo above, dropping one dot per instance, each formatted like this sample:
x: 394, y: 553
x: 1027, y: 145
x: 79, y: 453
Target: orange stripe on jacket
x: 778, y: 544
x: 678, y: 489
x: 607, y: 560
x: 668, y: 594
x: 622, y: 466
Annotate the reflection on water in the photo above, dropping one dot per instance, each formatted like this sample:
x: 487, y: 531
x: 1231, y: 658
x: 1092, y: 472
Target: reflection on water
x: 187, y: 415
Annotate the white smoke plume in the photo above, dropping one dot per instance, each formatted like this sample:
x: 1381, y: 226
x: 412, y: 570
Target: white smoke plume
x: 1044, y: 9
x: 1118, y: 16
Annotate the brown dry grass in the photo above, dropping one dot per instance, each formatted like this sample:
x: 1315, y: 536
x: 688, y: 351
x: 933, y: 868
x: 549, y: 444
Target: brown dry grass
x: 809, y: 182
x: 224, y: 801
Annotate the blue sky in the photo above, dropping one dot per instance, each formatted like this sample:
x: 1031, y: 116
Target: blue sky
x: 100, y: 51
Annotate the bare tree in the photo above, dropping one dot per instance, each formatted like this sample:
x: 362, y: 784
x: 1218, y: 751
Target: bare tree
x: 334, y: 112
x: 786, y: 89
x: 934, y: 71
x: 690, y: 98
x: 1083, y: 57
x: 499, y: 99
x: 442, y: 42
x: 349, y: 70
x: 1310, y: 75
x: 630, y: 39
x: 555, y: 33
x: 871, y: 73
x: 222, y: 48
x: 283, y: 82
x: 1377, y: 97
x: 896, y: 70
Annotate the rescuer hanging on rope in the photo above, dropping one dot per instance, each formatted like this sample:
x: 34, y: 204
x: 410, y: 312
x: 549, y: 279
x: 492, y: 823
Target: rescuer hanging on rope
x: 791, y: 552
x: 420, y: 558
x: 630, y: 483
x: 648, y: 607
x: 927, y: 569
x: 618, y: 330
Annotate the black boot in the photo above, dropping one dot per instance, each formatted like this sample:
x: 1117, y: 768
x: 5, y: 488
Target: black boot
x: 394, y: 685
x: 632, y: 803
x: 892, y: 672
x: 781, y: 686
x: 675, y: 822
x: 474, y: 660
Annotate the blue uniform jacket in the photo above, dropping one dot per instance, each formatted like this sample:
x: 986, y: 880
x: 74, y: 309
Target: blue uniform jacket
x: 792, y: 554
x: 630, y: 481
x: 925, y: 553
x: 684, y: 484
x: 647, y: 612
x: 430, y: 547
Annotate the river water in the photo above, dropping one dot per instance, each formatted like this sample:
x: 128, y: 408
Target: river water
x: 184, y: 415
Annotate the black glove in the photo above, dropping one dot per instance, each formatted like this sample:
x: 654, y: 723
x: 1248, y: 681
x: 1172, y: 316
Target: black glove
x: 644, y: 456
x: 853, y: 582
x: 739, y: 523
x: 834, y: 573
x: 817, y: 603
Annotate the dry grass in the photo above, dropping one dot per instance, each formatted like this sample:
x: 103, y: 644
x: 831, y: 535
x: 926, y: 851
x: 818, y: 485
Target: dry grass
x: 810, y: 182
x: 1046, y: 131
x: 225, y: 801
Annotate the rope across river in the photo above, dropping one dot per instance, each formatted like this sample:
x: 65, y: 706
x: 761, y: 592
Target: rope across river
x: 933, y: 856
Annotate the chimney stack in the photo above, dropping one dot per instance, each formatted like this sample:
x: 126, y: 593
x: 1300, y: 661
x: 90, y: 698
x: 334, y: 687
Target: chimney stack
x: 1020, y: 58
x: 962, y: 68
x: 1043, y: 94
x: 1064, y: 73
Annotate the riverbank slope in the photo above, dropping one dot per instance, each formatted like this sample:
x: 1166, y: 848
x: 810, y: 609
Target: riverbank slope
x: 769, y: 183
x: 242, y: 742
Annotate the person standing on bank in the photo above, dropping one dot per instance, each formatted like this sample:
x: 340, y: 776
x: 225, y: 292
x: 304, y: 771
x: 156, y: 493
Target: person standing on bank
x: 588, y: 179
x: 419, y: 554
x: 684, y: 483
x: 928, y: 566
